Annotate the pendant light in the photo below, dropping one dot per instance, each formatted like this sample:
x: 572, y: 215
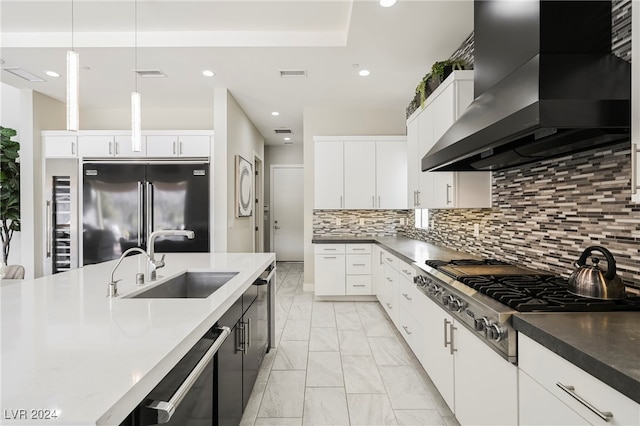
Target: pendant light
x: 73, y: 71
x: 136, y: 125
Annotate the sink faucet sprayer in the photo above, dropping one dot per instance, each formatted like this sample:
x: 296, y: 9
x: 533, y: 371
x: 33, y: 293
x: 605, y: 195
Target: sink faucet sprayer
x: 157, y: 264
x: 112, y: 290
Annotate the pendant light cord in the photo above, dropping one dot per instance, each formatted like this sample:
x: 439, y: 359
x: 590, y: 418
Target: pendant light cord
x: 72, y: 45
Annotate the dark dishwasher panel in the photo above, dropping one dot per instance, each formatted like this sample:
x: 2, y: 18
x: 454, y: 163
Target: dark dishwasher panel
x: 228, y: 369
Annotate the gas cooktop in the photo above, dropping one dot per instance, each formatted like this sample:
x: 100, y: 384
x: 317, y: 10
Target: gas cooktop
x: 523, y: 289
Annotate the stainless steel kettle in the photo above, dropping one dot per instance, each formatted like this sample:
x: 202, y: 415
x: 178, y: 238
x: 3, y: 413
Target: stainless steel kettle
x: 591, y: 281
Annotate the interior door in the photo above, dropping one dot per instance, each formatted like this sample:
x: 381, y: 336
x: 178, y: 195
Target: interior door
x: 287, y: 189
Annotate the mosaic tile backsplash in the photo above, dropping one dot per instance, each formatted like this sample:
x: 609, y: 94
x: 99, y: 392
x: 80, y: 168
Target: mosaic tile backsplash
x: 384, y: 223
x: 545, y: 214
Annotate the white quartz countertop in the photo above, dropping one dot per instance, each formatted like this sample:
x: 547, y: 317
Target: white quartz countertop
x: 67, y: 347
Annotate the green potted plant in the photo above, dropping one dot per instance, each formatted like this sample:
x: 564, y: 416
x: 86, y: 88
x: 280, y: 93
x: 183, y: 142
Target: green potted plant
x: 440, y: 70
x: 9, y: 189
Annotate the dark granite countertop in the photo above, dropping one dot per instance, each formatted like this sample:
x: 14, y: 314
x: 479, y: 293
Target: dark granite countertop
x: 604, y: 344
x: 405, y: 248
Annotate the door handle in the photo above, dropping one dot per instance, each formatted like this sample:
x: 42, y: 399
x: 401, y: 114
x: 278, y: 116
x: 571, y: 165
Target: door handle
x: 49, y: 229
x: 166, y: 409
x: 448, y: 198
x: 140, y: 209
x: 149, y: 206
x: 249, y: 332
x: 446, y: 324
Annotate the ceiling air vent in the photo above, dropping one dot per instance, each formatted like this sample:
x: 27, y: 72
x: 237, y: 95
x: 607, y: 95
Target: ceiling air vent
x: 283, y: 131
x: 150, y: 73
x: 22, y: 73
x: 293, y: 73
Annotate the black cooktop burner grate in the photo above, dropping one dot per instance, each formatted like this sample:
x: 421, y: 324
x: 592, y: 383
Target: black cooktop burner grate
x: 464, y: 262
x: 542, y: 293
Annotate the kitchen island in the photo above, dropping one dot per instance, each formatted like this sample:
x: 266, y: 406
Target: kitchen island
x: 72, y: 356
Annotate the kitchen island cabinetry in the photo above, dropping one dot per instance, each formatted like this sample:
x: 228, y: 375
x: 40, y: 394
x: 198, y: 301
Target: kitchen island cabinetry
x: 571, y: 393
x: 424, y: 128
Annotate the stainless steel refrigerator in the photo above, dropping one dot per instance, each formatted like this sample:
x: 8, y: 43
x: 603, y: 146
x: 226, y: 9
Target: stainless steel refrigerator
x: 124, y: 203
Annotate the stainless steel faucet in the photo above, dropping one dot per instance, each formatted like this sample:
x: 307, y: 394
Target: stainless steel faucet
x: 157, y: 264
x: 112, y: 289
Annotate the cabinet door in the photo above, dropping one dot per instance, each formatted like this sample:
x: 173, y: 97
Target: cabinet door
x: 390, y: 290
x: 330, y: 275
x: 123, y: 147
x: 329, y: 175
x: 444, y: 115
x: 414, y: 157
x: 499, y: 380
x: 60, y: 146
x: 438, y: 361
x: 255, y: 338
x: 377, y: 271
x: 425, y: 193
x: 391, y: 174
x: 533, y: 396
x: 162, y: 146
x: 194, y: 146
x: 96, y: 146
x: 359, y: 174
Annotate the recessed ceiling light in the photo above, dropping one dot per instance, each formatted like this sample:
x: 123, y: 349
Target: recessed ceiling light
x: 387, y: 3
x: 275, y: 113
x: 287, y: 139
x: 52, y: 74
x: 208, y: 73
x: 364, y: 73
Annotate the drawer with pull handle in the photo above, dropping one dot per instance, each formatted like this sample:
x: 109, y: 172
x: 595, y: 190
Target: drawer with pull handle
x: 358, y: 248
x: 589, y: 397
x: 329, y: 248
x: 358, y: 264
x: 358, y: 284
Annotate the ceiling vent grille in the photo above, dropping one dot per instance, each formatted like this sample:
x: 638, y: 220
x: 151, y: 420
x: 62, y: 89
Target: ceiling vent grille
x: 283, y: 131
x: 24, y: 74
x: 293, y: 73
x: 150, y: 73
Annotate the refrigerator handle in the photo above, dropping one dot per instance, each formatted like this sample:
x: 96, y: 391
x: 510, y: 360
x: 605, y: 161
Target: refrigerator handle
x: 140, y: 210
x: 49, y: 230
x: 149, y: 206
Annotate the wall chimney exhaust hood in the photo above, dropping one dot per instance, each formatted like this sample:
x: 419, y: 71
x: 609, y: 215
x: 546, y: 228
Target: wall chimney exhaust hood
x: 545, y: 85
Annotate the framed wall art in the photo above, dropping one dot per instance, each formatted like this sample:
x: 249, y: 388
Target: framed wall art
x: 244, y: 187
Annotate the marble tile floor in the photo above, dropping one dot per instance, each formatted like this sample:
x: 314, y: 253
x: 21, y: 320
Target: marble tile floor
x: 339, y: 363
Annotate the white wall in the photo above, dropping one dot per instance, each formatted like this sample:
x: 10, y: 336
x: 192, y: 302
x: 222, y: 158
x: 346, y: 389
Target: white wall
x: 277, y: 154
x: 336, y: 122
x: 235, y: 135
x: 152, y: 119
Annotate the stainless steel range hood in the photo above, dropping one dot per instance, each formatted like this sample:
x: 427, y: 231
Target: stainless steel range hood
x: 545, y: 83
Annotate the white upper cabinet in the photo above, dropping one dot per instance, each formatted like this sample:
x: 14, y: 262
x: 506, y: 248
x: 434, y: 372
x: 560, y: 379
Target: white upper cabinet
x: 178, y: 146
x: 365, y: 172
x: 60, y: 146
x: 391, y: 174
x: 359, y: 175
x: 413, y: 163
x: 444, y: 189
x: 124, y: 147
x: 96, y: 146
x: 329, y: 174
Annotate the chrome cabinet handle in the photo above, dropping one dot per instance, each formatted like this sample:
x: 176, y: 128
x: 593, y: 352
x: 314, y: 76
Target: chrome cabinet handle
x: 357, y: 249
x: 341, y: 201
x: 359, y: 285
x: 359, y: 264
x: 166, y: 409
x: 174, y: 147
x: 378, y: 201
x: 149, y: 207
x: 249, y: 332
x: 452, y: 348
x: 418, y: 197
x: 180, y: 148
x: 240, y: 340
x: 49, y: 228
x: 446, y: 323
x: 110, y: 148
x: 406, y: 296
x: 381, y: 261
x: 448, y: 198
x: 406, y: 330
x: 604, y: 415
x: 140, y: 217
x: 330, y: 257
x: 634, y: 168
x: 117, y: 148
x: 415, y: 199
x: 73, y: 148
x: 373, y: 201
x: 389, y: 306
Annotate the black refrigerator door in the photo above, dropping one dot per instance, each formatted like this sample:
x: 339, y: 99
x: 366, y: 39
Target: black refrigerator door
x: 112, y: 212
x: 178, y: 197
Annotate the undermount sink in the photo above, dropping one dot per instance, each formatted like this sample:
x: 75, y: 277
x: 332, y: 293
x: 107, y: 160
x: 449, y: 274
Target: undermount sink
x: 189, y: 285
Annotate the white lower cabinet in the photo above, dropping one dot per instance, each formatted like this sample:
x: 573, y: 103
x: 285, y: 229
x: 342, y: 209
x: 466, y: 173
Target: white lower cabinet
x: 343, y: 270
x: 390, y: 293
x: 477, y: 384
x: 377, y: 271
x: 330, y: 270
x: 583, y: 395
